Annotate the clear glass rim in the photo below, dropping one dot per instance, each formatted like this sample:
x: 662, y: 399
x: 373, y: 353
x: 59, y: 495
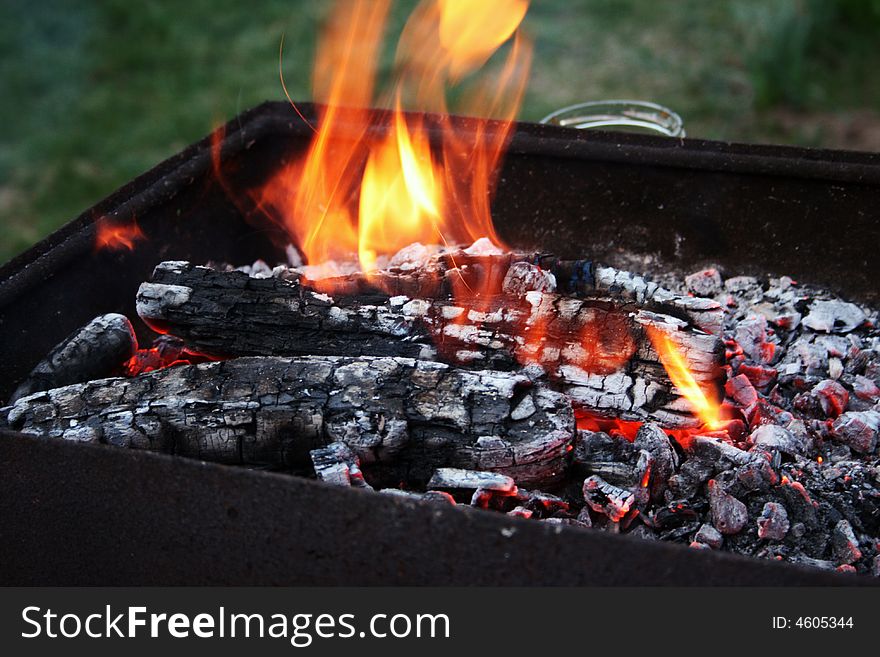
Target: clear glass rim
x: 619, y: 113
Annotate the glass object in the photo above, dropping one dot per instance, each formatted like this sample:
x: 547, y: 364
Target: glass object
x: 628, y: 115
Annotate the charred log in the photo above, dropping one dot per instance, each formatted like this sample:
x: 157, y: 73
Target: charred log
x: 401, y: 418
x: 596, y: 350
x: 92, y: 352
x: 416, y: 271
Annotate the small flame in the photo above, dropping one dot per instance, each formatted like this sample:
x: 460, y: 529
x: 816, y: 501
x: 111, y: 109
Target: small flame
x: 116, y: 237
x: 707, y: 409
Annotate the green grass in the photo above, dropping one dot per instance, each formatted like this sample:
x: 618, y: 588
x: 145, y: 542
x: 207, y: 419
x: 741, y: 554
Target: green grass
x: 94, y: 93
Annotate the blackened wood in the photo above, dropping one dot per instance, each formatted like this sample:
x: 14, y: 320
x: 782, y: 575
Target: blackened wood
x: 92, y: 352
x: 416, y: 272
x: 596, y: 350
x: 402, y: 418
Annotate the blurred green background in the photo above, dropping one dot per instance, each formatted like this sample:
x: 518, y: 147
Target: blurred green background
x: 94, y: 93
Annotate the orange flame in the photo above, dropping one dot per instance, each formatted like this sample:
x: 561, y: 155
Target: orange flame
x: 116, y: 237
x: 706, y: 408
x: 400, y: 197
x: 427, y: 180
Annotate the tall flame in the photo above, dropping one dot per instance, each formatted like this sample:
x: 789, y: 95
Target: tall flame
x: 703, y: 404
x: 426, y: 180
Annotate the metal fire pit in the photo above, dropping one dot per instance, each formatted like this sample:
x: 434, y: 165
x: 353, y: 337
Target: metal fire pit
x: 74, y: 514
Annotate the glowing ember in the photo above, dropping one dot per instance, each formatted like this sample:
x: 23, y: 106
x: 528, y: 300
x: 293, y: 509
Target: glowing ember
x: 116, y: 237
x: 707, y: 409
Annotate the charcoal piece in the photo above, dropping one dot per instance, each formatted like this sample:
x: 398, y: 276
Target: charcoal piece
x: 654, y: 440
x: 642, y: 486
x: 692, y: 474
x: 607, y: 499
x: 800, y: 505
x: 520, y: 512
x: 822, y: 564
x: 747, y: 287
x: 544, y: 503
x: 524, y: 409
x: 457, y: 478
x: 773, y: 437
x: 751, y: 336
x: 865, y: 389
x: 709, y: 536
x: 834, y: 316
x: 729, y: 515
x: 427, y: 496
x: 761, y: 377
x: 773, y: 522
x: 596, y: 350
x: 723, y: 453
x: 598, y: 447
x: 680, y: 534
x: 844, y: 544
x: 758, y: 475
x: 643, y: 532
x: 337, y: 464
x: 875, y: 566
x: 399, y: 416
x: 584, y: 518
x: 499, y: 500
x: 782, y: 316
x: 568, y: 522
x: 741, y: 390
x: 699, y: 546
x: 675, y: 514
x: 832, y: 397
x: 858, y: 430
x: 438, y: 496
x: 704, y: 283
x: 94, y: 351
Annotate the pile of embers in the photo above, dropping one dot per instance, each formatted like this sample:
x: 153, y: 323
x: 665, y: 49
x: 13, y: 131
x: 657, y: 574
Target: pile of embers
x: 734, y: 414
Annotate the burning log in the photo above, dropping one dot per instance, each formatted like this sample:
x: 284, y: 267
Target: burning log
x: 92, y: 352
x: 400, y: 417
x: 596, y: 350
x: 416, y: 272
